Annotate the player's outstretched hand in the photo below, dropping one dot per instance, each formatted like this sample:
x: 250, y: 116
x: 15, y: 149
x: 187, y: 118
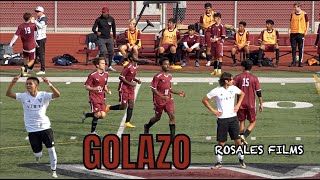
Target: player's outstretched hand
x: 138, y: 81
x: 166, y: 98
x: 217, y: 113
x: 109, y: 92
x: 182, y: 94
x: 45, y: 79
x: 16, y: 78
x: 261, y: 108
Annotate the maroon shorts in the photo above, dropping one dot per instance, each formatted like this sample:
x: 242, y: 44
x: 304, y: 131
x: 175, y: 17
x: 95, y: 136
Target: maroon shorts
x: 269, y: 47
x: 217, y: 50
x: 249, y: 114
x: 128, y: 47
x: 207, y: 37
x: 97, y: 106
x: 167, y: 46
x: 125, y: 96
x: 318, y: 49
x: 29, y: 55
x: 168, y: 107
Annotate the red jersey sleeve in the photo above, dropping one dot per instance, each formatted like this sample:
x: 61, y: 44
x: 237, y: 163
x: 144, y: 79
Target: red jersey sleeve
x: 178, y: 35
x: 261, y: 36
x: 154, y: 82
x: 89, y: 81
x: 201, y: 19
x: 197, y: 36
x: 18, y: 32
x: 248, y: 36
x: 306, y: 17
x: 257, y: 84
x: 124, y: 72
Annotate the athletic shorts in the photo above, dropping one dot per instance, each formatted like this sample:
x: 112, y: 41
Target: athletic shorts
x: 240, y: 49
x: 37, y: 138
x: 216, y: 50
x: 225, y: 126
x: 270, y: 47
x: 128, y: 47
x: 318, y: 49
x: 28, y: 55
x: 249, y: 114
x: 125, y: 96
x: 168, y: 107
x: 167, y: 47
x: 97, y: 106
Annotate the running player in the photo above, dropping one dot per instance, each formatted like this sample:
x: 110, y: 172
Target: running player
x: 226, y: 113
x: 250, y: 85
x: 27, y: 32
x: 37, y: 123
x: 126, y: 86
x: 191, y: 42
x: 241, y: 42
x: 162, y: 100
x: 97, y: 85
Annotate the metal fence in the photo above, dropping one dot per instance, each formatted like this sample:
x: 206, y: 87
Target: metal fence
x: 79, y: 16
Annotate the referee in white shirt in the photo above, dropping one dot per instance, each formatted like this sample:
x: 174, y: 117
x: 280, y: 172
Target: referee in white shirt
x: 226, y: 112
x: 37, y: 123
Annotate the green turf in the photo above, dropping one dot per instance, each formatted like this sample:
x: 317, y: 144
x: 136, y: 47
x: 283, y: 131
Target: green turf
x: 149, y: 73
x: 274, y: 126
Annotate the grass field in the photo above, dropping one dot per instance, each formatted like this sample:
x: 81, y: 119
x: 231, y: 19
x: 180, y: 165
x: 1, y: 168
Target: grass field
x: 274, y: 126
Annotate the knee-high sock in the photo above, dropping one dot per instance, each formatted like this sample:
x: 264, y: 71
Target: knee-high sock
x: 208, y: 57
x: 115, y: 107
x: 220, y: 65
x: 129, y: 114
x: 260, y: 55
x: 277, y: 55
x: 94, y: 123
x: 197, y: 55
x: 53, y: 158
x: 215, y: 64
x: 38, y: 155
x: 233, y: 58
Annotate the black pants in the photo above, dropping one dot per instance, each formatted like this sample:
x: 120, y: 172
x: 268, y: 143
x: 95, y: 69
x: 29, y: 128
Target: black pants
x: 297, y: 38
x: 40, y: 52
x: 37, y: 138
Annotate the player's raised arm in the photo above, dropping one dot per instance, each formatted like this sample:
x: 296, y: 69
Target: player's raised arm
x: 54, y: 90
x: 180, y: 93
x: 205, y: 101
x: 9, y: 92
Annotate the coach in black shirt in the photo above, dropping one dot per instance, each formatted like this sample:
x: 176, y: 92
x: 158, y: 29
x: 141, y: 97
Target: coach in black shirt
x: 104, y: 23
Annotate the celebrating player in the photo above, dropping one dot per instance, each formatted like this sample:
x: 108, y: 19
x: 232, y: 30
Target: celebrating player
x: 191, y: 42
x: 97, y: 85
x: 37, y: 123
x: 226, y: 113
x: 162, y: 100
x: 241, y: 42
x: 27, y: 32
x: 126, y: 86
x: 250, y: 85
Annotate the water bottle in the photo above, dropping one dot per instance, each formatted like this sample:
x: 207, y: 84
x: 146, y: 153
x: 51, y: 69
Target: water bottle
x: 201, y: 32
x: 93, y: 46
x: 90, y: 46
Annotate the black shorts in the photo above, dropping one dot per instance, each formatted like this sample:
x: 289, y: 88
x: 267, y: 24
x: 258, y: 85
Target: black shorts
x: 226, y: 125
x: 37, y: 138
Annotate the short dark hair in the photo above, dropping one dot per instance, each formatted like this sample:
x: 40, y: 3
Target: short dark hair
x: 97, y: 60
x: 247, y: 64
x: 27, y: 16
x: 224, y: 76
x: 297, y: 4
x: 162, y: 60
x: 191, y: 27
x: 243, y: 23
x: 172, y: 20
x: 269, y: 21
x: 207, y: 5
x: 34, y: 79
x: 217, y: 15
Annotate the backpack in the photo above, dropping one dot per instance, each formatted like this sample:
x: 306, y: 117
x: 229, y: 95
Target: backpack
x: 70, y: 58
x: 267, y: 62
x: 62, y: 62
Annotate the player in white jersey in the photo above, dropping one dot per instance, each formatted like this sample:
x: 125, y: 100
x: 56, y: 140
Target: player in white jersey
x: 226, y: 112
x: 37, y: 123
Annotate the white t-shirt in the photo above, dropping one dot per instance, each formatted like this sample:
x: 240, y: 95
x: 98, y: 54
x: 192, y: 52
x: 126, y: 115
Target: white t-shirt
x: 35, y: 118
x: 225, y: 100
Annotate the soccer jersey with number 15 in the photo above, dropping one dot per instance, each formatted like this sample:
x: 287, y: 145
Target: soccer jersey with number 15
x: 162, y: 83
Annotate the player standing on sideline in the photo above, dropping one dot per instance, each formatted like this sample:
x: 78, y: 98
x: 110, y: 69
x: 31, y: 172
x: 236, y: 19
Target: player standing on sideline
x: 241, y: 42
x: 97, y: 85
x: 299, y: 26
x: 37, y: 123
x: 250, y: 85
x: 226, y: 113
x: 217, y: 34
x: 27, y: 32
x: 317, y: 43
x: 162, y: 100
x: 191, y: 41
x: 126, y: 86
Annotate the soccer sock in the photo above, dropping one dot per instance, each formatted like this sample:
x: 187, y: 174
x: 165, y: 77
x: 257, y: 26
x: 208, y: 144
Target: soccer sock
x: 240, y: 156
x: 219, y: 158
x: 172, y: 130
x: 215, y: 65
x: 246, y: 133
x: 260, y: 55
x: 129, y: 114
x: 38, y: 155
x: 53, y: 158
x: 277, y: 55
x: 26, y: 68
x: 173, y: 58
x: 150, y: 124
x: 234, y: 58
x: 208, y: 56
x: 248, y: 55
x: 197, y: 55
x: 94, y: 123
x: 219, y: 66
x: 184, y: 55
x: 89, y: 115
x: 115, y: 107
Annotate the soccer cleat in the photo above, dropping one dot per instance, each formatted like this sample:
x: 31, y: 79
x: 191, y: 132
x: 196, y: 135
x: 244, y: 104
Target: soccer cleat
x: 125, y: 63
x: 292, y: 65
x: 242, y: 164
x: 183, y: 64
x: 25, y: 74
x: 107, y: 108
x: 146, y: 129
x: 84, y: 117
x: 300, y: 65
x: 40, y: 73
x: 208, y: 64
x: 94, y: 133
x: 218, y: 73
x: 22, y: 70
x: 213, y: 73
x: 30, y: 71
x: 197, y: 64
x: 176, y: 67
x: 243, y: 140
x: 111, y: 69
x: 38, y: 160
x: 54, y: 174
x: 128, y: 124
x: 218, y: 165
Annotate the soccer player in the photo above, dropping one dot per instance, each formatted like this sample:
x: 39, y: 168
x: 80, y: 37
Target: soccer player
x: 162, y: 100
x: 241, y: 42
x: 133, y: 42
x: 97, y: 85
x: 169, y: 41
x: 269, y: 42
x: 317, y: 43
x: 27, y: 32
x: 37, y: 123
x: 126, y: 86
x: 226, y: 112
x: 299, y: 26
x: 191, y: 42
x: 217, y: 34
x: 250, y: 85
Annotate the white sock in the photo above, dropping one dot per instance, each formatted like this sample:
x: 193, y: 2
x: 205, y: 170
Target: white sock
x: 215, y: 70
x: 219, y: 70
x: 240, y: 156
x: 38, y: 155
x: 219, y: 158
x: 53, y: 158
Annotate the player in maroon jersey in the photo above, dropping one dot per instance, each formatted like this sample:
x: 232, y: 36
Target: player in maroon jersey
x: 218, y: 33
x: 97, y: 85
x: 126, y: 86
x: 27, y: 32
x: 250, y: 85
x: 162, y: 100
x: 191, y: 42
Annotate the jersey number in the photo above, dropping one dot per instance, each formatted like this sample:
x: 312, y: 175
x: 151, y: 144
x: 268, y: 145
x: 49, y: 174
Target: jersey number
x: 166, y: 92
x: 27, y: 30
x: 245, y: 82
